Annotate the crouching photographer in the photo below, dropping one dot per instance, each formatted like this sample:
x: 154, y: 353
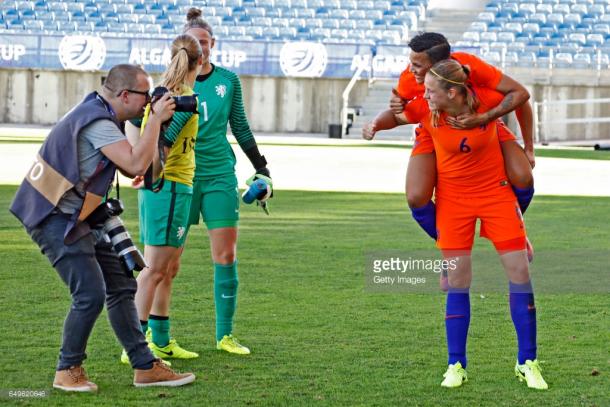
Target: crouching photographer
x: 60, y: 203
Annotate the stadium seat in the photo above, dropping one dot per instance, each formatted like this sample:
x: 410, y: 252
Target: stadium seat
x: 339, y: 13
x: 494, y: 27
x: 349, y: 4
x: 488, y: 36
x: 538, y: 18
x: 527, y: 59
x: 57, y: 17
x: 531, y: 28
x: 487, y: 17
x: 479, y: 26
x: 387, y: 20
x: 578, y: 37
x: 603, y: 29
x: 572, y: 19
x: 516, y: 47
x: 330, y: 23
x: 313, y: 23
x: 563, y: 60
x: 298, y: 4
x: 527, y: 8
x: 357, y: 14
x: 366, y: 5
x: 66, y: 26
x: 506, y: 37
x: 271, y: 32
x: 554, y: 18
x: 513, y: 27
x: 304, y: 13
x: 582, y: 61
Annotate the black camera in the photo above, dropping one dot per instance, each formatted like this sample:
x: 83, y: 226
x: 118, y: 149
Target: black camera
x: 183, y: 103
x: 107, y: 216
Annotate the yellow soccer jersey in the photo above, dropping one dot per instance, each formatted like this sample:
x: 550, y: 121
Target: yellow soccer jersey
x: 181, y: 136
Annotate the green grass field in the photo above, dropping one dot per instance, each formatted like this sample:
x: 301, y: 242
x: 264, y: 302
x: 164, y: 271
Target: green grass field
x: 318, y: 337
x: 573, y: 153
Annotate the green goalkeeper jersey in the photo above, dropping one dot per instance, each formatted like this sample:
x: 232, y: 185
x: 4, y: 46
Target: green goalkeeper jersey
x: 220, y: 102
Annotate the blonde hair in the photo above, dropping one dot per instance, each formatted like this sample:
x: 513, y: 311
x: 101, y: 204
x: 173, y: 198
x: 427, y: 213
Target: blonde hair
x: 186, y: 52
x: 194, y: 20
x: 451, y: 74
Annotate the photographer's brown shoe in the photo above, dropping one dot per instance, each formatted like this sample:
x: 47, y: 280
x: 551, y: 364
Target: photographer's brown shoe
x: 160, y: 375
x: 73, y: 379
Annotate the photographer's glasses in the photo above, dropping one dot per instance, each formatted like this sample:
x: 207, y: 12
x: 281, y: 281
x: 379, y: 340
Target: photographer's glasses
x: 146, y: 94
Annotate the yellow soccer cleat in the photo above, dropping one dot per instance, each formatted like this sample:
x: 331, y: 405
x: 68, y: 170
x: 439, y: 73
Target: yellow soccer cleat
x: 454, y: 376
x: 531, y: 372
x: 230, y: 344
x: 172, y: 351
x: 125, y: 358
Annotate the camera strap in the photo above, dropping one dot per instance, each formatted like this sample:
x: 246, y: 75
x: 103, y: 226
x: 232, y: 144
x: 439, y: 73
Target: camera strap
x: 148, y: 177
x: 118, y: 190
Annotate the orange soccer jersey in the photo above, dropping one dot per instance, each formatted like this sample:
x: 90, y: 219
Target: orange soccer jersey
x: 417, y: 108
x: 481, y: 75
x: 471, y: 183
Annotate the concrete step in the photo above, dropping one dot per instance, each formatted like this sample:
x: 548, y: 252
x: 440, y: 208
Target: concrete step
x: 452, y: 23
x: 404, y: 133
x: 377, y: 101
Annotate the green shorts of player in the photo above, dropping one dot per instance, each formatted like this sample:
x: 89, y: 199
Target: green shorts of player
x: 164, y: 214
x: 216, y: 200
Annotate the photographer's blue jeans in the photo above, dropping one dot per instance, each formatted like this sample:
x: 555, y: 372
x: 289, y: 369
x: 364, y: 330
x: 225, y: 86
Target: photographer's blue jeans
x: 93, y: 273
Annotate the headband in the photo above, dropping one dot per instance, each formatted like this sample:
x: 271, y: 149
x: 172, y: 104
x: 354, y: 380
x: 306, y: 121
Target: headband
x: 445, y: 79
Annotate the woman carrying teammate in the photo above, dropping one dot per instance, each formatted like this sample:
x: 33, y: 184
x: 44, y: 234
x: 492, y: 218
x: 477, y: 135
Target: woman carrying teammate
x: 472, y: 184
x: 215, y: 194
x: 426, y: 49
x: 164, y: 209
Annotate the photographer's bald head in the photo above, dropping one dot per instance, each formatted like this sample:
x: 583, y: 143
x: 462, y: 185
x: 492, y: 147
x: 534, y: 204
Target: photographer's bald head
x: 127, y: 90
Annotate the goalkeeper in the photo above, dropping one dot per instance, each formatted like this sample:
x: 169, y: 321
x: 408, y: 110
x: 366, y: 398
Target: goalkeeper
x: 215, y: 194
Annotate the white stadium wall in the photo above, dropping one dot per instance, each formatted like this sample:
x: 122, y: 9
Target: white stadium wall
x: 272, y: 104
x: 294, y: 105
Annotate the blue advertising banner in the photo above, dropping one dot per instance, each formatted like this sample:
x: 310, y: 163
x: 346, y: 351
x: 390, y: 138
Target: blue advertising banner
x: 264, y: 58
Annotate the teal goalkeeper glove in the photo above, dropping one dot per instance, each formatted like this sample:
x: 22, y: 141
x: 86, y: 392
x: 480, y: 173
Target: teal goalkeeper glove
x: 264, y: 181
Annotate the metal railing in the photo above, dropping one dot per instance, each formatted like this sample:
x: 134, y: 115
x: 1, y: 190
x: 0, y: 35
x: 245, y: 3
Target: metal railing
x: 541, y: 115
x: 346, y: 93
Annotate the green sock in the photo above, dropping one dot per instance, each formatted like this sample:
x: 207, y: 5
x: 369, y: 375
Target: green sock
x: 144, y: 325
x: 160, y: 330
x: 225, y: 297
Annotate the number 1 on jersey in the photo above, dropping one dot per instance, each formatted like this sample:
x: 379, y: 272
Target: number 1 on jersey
x: 205, y: 111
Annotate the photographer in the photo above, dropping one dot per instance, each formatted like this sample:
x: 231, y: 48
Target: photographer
x: 72, y: 173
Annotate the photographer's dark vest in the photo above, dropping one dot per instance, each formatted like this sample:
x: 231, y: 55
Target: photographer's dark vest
x: 56, y: 171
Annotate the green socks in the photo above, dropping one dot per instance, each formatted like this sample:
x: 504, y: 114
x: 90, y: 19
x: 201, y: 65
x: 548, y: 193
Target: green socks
x: 225, y: 297
x: 144, y: 325
x: 160, y: 330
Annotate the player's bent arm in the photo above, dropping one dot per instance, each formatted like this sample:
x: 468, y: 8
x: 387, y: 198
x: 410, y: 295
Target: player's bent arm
x: 515, y: 95
x: 135, y: 160
x: 388, y: 120
x: 525, y: 116
x: 385, y: 120
x: 132, y: 132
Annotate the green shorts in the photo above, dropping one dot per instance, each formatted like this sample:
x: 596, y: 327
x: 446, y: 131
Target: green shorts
x: 164, y: 215
x: 217, y: 200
